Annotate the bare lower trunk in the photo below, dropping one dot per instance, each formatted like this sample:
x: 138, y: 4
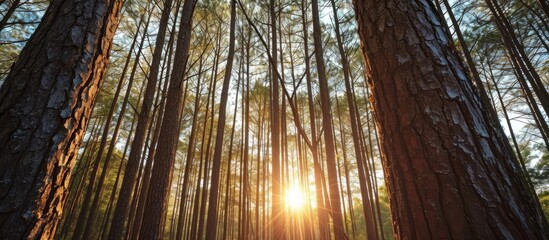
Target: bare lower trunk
x: 448, y: 172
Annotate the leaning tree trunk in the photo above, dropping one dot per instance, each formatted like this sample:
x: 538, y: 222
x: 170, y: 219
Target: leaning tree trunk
x: 448, y: 172
x: 45, y: 105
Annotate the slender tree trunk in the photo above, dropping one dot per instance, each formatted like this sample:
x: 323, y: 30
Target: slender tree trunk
x: 138, y: 142
x: 112, y: 199
x: 157, y: 196
x: 216, y: 165
x: 228, y: 185
x: 8, y: 14
x: 136, y: 217
x: 45, y: 105
x: 190, y: 155
x: 520, y: 59
x: 318, y: 173
x: 449, y: 173
x: 276, y: 216
x: 329, y: 140
x: 365, y: 184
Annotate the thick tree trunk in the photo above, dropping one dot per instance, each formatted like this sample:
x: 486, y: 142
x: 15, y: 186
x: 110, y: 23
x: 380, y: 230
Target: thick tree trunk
x: 45, y: 104
x: 448, y: 172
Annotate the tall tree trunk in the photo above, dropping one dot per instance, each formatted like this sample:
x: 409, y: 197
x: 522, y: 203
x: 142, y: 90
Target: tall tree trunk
x: 140, y: 196
x: 190, y: 154
x: 329, y: 140
x: 138, y: 142
x: 317, y: 170
x: 112, y: 199
x: 449, y: 173
x: 520, y: 60
x: 162, y: 171
x: 46, y: 102
x: 276, y: 215
x: 364, y: 180
x: 216, y: 165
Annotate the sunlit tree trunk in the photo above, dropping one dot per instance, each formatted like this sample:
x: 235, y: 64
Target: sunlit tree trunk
x: 138, y: 141
x: 45, y: 105
x: 87, y: 201
x: 79, y: 175
x: 157, y: 196
x: 318, y: 173
x: 108, y: 157
x: 449, y: 173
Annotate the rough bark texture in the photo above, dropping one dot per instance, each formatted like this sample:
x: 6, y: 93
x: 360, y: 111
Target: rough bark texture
x: 45, y: 105
x: 448, y: 173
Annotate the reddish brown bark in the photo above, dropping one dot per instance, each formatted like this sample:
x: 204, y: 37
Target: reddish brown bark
x: 448, y: 172
x: 45, y: 105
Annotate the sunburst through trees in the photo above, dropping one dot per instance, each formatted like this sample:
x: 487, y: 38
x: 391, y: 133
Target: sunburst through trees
x: 279, y: 119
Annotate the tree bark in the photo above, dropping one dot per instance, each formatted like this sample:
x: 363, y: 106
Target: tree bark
x: 46, y: 102
x: 449, y: 173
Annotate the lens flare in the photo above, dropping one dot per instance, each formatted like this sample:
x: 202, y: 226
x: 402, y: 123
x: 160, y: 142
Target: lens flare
x: 294, y: 199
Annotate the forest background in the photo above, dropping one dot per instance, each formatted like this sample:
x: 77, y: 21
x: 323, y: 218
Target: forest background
x: 245, y: 169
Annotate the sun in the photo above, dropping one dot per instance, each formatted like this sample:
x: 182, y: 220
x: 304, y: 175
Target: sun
x: 294, y: 199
